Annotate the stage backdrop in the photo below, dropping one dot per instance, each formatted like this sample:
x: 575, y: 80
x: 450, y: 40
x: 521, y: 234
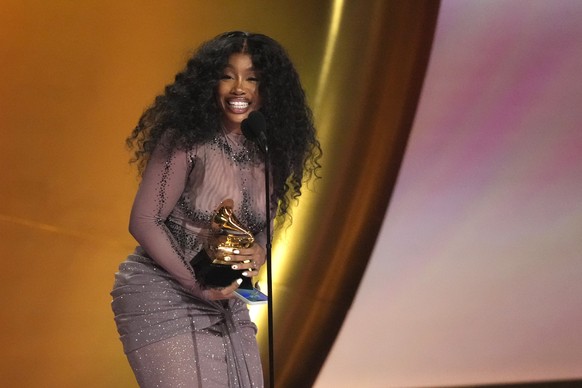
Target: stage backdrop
x: 75, y: 78
x: 476, y: 276
x: 478, y: 270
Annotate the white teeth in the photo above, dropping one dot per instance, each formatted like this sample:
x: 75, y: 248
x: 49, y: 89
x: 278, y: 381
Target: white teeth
x: 239, y: 104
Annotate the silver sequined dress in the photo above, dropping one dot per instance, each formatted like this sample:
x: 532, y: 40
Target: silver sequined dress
x: 172, y: 335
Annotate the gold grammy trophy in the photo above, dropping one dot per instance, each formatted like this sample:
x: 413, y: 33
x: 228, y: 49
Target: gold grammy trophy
x: 227, y: 235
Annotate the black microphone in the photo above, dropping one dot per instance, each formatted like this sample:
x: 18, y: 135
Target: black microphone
x: 254, y: 128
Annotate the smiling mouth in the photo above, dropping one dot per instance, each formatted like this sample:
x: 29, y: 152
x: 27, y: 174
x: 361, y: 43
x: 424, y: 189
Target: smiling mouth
x: 238, y: 105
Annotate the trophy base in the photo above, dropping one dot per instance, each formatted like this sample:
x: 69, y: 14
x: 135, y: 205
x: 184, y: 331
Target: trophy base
x: 212, y: 275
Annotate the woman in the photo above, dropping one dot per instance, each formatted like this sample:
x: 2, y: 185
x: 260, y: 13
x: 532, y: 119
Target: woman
x: 192, y: 157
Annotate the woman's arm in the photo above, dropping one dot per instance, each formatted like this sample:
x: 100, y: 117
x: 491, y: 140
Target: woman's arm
x: 163, y: 182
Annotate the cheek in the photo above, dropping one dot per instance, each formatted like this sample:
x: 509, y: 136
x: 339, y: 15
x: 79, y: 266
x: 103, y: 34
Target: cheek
x: 219, y: 97
x: 221, y: 91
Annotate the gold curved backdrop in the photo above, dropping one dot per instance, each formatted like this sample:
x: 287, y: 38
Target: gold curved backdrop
x: 75, y: 78
x: 370, y: 81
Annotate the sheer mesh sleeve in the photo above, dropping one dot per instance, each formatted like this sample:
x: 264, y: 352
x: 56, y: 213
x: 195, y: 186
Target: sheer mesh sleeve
x: 162, y: 185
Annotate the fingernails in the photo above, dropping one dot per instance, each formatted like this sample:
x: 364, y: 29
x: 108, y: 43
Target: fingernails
x: 235, y: 251
x: 234, y: 266
x: 246, y: 273
x: 227, y: 258
x: 238, y: 281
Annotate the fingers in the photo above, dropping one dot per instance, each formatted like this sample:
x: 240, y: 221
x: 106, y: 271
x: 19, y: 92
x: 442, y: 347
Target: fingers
x: 232, y: 288
x: 234, y: 254
x: 250, y: 273
x: 226, y: 253
x: 250, y: 259
x: 250, y: 267
x: 227, y: 250
x: 223, y: 293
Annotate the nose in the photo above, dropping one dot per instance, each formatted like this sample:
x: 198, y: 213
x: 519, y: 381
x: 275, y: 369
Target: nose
x: 237, y: 87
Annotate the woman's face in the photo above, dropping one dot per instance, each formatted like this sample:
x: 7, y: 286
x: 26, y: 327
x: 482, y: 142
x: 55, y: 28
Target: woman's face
x: 238, y: 91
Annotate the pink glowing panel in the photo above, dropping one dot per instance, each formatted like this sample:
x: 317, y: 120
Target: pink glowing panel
x: 477, y: 274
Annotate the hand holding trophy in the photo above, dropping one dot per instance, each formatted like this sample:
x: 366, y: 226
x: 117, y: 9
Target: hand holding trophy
x: 213, y: 265
x: 228, y: 234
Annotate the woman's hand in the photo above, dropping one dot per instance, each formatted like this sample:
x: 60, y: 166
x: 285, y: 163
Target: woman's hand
x: 249, y: 260
x: 222, y: 293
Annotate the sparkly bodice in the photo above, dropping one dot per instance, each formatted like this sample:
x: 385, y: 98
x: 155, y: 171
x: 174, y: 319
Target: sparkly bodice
x: 180, y: 192
x: 225, y: 168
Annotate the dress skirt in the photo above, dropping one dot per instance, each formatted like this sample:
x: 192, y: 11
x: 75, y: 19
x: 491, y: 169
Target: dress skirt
x: 151, y: 307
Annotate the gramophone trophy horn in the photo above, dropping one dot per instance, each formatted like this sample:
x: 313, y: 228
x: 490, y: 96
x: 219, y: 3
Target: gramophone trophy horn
x: 227, y: 234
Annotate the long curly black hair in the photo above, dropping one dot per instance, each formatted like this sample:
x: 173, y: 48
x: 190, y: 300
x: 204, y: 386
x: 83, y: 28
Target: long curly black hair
x: 187, y: 113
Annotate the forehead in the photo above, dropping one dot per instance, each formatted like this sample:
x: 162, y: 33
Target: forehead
x: 240, y: 61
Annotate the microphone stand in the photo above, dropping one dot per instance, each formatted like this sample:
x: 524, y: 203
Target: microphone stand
x: 269, y: 273
x: 254, y: 128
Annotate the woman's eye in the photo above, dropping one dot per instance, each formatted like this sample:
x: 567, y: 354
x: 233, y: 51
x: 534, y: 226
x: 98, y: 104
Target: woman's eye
x: 225, y: 76
x: 253, y: 79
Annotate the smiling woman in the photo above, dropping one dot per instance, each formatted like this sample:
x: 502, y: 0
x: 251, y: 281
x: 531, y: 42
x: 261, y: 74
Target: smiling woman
x: 176, y: 329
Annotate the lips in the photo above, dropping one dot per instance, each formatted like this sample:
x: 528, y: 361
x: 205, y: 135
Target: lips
x: 238, y: 106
